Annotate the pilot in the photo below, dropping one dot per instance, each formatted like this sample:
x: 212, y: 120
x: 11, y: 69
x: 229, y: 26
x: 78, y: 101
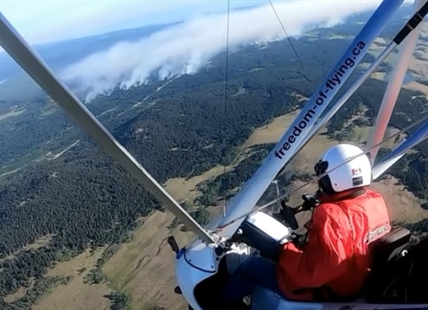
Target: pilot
x: 334, y: 263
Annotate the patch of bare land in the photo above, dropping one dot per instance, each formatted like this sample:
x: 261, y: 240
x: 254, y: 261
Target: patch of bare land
x: 318, y: 145
x: 183, y: 189
x: 51, y: 156
x: 380, y: 42
x: 49, y: 108
x: 271, y: 132
x: 144, y: 267
x: 417, y: 87
x: 41, y: 242
x: 338, y: 37
x: 15, y: 111
x: 76, y: 295
x: 12, y: 171
x: 404, y: 207
x: 378, y: 46
x: 418, y: 65
x: 379, y: 75
x: 19, y: 293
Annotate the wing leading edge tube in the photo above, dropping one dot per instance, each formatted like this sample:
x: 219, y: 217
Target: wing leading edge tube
x: 27, y: 58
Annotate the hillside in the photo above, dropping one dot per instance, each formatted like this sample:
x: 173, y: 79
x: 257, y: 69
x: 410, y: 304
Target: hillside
x: 69, y: 214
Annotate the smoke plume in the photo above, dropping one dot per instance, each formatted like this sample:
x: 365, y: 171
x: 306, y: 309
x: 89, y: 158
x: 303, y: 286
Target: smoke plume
x: 185, y: 48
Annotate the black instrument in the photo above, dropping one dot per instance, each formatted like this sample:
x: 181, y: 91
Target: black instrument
x: 287, y: 214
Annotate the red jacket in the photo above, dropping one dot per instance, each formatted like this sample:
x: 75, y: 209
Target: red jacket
x: 335, y: 258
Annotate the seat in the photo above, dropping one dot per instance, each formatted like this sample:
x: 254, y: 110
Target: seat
x: 384, y: 249
x: 388, y: 244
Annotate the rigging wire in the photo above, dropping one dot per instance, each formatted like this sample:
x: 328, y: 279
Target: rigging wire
x: 286, y: 34
x: 302, y: 74
x: 226, y: 89
x: 279, y: 198
x: 226, y: 76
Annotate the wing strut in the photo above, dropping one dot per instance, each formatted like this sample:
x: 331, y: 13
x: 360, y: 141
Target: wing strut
x: 394, y: 86
x: 330, y: 113
x: 417, y: 137
x: 391, y: 93
x: 27, y: 58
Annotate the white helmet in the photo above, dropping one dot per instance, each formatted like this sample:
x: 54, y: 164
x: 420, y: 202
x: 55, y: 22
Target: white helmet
x: 353, y: 174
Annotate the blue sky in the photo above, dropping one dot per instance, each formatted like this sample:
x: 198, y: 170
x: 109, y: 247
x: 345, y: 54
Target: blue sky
x: 42, y: 21
x: 45, y: 21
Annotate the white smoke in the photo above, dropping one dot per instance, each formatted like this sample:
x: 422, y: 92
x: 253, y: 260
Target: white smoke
x: 185, y: 48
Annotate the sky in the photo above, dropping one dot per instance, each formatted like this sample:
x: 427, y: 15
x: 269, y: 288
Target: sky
x: 182, y: 49
x: 41, y: 21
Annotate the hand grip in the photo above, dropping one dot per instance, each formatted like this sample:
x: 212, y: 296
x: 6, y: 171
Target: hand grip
x: 288, y: 216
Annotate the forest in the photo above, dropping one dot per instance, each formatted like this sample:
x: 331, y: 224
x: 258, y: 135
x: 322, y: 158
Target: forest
x: 84, y: 199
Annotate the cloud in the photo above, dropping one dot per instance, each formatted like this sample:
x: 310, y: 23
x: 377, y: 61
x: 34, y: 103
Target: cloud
x: 188, y: 46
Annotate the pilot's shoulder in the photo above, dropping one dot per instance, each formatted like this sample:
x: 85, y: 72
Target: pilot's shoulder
x: 328, y: 210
